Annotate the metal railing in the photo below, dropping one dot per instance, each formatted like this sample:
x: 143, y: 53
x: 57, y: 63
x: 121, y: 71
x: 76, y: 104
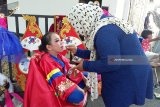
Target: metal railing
x: 17, y: 16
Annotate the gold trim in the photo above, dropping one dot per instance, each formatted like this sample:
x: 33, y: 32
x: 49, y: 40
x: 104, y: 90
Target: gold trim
x: 20, y: 77
x: 65, y: 28
x: 33, y: 27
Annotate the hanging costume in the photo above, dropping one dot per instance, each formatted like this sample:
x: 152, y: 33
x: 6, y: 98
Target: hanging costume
x: 47, y: 85
x: 122, y: 84
x: 9, y: 44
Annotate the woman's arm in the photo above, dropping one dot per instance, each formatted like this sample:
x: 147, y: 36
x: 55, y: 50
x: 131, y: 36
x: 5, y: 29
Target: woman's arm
x: 154, y: 39
x: 79, y: 52
x: 82, y: 53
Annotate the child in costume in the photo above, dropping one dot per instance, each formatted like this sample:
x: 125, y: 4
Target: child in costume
x: 9, y: 43
x: 50, y: 82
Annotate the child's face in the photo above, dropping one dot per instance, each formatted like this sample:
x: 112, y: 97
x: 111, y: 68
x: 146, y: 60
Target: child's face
x: 150, y: 36
x: 1, y: 15
x: 56, y: 44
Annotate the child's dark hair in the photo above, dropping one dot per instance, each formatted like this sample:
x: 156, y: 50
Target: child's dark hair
x: 46, y: 40
x: 105, y: 7
x: 145, y: 33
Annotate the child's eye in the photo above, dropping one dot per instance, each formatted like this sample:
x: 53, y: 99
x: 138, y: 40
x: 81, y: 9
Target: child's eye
x: 57, y: 41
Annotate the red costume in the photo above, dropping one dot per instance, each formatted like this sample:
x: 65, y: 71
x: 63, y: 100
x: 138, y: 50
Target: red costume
x: 146, y: 45
x: 47, y: 84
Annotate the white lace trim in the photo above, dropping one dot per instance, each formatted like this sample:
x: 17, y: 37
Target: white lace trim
x: 92, y: 82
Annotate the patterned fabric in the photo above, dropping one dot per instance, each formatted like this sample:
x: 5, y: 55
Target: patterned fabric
x: 92, y: 82
x: 31, y: 39
x: 146, y: 45
x: 63, y: 86
x: 84, y: 25
x: 89, y: 25
x: 57, y: 25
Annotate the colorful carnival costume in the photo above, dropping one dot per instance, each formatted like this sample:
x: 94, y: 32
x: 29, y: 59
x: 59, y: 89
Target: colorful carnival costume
x: 109, y: 40
x: 6, y: 91
x: 9, y: 44
x: 48, y: 85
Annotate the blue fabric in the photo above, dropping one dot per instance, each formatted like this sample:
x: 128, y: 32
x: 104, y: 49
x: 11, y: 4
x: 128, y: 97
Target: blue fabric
x: 10, y: 46
x: 85, y: 73
x: 59, y: 61
x: 122, y: 85
x: 140, y: 39
x: 104, y: 16
x: 75, y: 97
x: 54, y: 76
x: 82, y: 83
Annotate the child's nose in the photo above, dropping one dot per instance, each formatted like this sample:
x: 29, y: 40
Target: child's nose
x: 62, y: 42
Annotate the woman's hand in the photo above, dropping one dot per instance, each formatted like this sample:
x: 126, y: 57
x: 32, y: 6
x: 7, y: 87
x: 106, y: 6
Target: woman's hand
x: 72, y: 48
x: 79, y: 66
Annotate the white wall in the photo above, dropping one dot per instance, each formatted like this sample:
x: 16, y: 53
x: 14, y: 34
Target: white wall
x: 44, y: 7
x: 126, y: 9
x: 111, y: 4
x: 117, y: 8
x: 39, y: 7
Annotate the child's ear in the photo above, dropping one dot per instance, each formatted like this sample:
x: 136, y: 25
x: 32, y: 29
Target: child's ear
x: 48, y: 47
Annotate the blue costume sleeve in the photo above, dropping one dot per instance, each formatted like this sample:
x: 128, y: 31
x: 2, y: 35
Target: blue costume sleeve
x: 83, y: 53
x: 107, y: 45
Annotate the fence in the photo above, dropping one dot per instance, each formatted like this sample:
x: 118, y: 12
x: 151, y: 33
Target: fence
x: 7, y: 66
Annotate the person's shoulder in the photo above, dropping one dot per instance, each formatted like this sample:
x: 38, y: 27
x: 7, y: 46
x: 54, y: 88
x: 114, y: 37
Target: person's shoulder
x: 111, y: 28
x: 40, y: 56
x: 113, y: 24
x: 45, y: 56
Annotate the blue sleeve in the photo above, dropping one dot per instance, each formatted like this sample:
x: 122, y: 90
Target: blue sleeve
x: 107, y: 45
x: 83, y: 53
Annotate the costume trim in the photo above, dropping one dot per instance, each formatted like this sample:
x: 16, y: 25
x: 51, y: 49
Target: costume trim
x: 64, y: 86
x: 53, y: 74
